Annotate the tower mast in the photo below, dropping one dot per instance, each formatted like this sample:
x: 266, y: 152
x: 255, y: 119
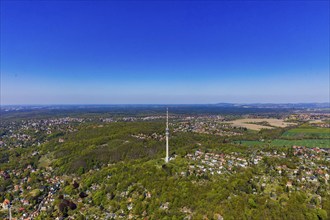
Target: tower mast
x: 167, y: 134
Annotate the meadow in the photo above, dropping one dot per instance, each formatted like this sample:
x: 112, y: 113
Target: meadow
x: 312, y: 132
x: 260, y: 123
x: 322, y: 143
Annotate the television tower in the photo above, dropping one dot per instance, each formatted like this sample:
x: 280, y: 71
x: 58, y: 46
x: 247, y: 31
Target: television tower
x: 167, y: 134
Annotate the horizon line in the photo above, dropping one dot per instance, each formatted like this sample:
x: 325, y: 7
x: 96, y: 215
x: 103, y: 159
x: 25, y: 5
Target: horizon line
x: 233, y: 103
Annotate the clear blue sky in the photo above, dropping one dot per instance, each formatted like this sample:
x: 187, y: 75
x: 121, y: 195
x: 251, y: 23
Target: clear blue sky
x: 74, y: 52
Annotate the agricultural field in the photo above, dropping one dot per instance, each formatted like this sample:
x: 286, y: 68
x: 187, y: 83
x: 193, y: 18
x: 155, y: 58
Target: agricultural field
x: 260, y: 123
x: 322, y: 143
x: 308, y: 132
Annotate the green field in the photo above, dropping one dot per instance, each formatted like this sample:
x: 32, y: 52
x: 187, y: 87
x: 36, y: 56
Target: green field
x: 308, y: 132
x: 324, y: 143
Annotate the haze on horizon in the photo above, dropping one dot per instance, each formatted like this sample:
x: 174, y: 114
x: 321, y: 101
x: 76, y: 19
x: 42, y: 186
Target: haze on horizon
x: 134, y: 52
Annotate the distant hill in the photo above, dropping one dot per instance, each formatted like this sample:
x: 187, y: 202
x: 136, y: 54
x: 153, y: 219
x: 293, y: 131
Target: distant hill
x: 276, y: 105
x: 39, y: 111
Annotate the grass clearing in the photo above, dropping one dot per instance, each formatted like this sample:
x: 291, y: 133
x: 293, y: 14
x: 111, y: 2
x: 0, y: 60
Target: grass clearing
x: 323, y: 143
x: 308, y: 131
x: 45, y: 161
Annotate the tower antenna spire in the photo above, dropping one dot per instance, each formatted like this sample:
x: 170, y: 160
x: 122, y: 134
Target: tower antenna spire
x: 167, y: 132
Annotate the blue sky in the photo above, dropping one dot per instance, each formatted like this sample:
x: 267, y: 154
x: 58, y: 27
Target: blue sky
x: 126, y: 52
